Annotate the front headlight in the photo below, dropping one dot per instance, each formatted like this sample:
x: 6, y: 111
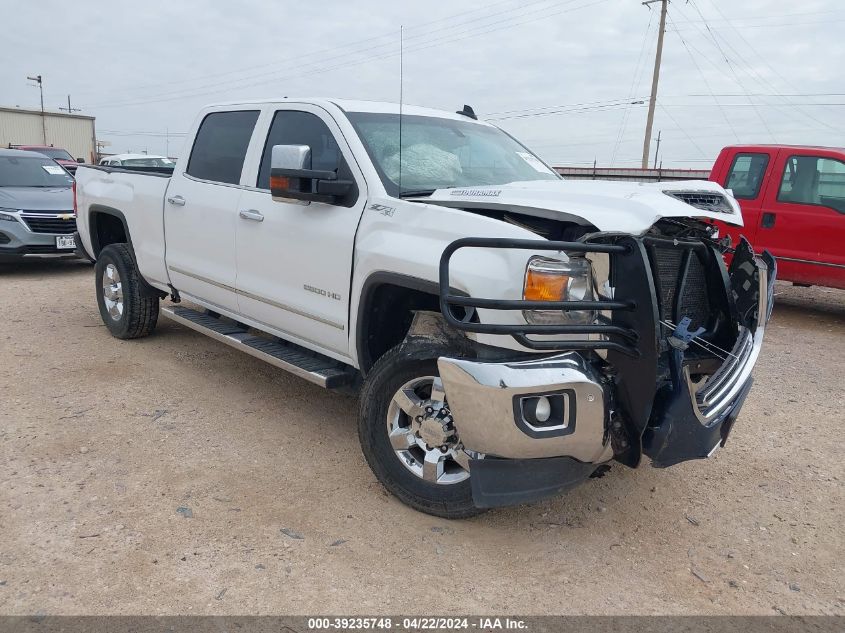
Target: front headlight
x: 6, y: 216
x: 555, y: 280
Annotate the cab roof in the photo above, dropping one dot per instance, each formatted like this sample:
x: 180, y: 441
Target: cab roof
x: 352, y: 105
x: 771, y: 146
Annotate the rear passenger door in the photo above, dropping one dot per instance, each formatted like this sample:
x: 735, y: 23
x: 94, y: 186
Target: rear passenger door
x: 201, y: 209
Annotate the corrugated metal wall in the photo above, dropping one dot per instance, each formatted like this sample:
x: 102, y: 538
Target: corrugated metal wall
x: 73, y: 133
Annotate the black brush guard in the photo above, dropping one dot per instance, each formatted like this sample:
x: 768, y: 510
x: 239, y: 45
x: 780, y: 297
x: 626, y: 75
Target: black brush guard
x: 632, y: 338
x: 619, y: 338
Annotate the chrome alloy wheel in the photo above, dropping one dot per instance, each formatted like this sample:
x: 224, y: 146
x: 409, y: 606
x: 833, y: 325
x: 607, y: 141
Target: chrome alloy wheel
x: 423, y: 435
x: 113, y: 292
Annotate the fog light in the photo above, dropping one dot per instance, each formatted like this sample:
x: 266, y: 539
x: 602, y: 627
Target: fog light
x: 543, y: 410
x: 542, y: 413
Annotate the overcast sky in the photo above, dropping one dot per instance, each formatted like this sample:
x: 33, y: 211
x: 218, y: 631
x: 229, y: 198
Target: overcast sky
x: 564, y: 72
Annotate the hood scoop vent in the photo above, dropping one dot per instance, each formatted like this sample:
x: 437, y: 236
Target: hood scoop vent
x: 705, y: 200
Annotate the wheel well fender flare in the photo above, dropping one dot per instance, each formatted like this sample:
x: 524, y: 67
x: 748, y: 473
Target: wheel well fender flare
x: 98, y: 210
x: 368, y: 294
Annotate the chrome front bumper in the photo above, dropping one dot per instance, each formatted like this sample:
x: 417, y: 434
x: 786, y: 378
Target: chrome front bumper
x: 486, y: 401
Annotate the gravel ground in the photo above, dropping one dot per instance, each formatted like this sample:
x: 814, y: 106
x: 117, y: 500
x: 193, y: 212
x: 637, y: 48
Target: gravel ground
x: 174, y: 475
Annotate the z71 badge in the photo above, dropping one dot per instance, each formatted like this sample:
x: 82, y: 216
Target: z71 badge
x: 383, y: 209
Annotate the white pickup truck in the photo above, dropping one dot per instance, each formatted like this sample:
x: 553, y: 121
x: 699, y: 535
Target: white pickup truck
x: 510, y: 332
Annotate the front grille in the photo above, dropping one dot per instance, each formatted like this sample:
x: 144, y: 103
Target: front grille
x: 694, y: 303
x: 48, y: 224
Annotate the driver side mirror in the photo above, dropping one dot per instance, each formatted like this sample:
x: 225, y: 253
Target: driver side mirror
x: 81, y: 161
x: 291, y: 177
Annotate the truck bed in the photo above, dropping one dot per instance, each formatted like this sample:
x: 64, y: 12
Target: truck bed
x: 135, y: 195
x: 164, y: 172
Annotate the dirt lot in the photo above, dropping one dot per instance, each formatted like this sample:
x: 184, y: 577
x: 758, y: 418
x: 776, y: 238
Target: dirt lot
x: 157, y: 476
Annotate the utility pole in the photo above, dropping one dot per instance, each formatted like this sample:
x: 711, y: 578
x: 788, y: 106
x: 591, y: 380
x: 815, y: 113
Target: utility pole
x: 657, y: 151
x: 68, y: 109
x: 37, y: 80
x: 655, y: 78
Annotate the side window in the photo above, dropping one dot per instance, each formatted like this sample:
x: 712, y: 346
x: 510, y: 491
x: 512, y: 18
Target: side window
x: 291, y: 127
x: 220, y: 146
x: 814, y: 180
x: 746, y: 175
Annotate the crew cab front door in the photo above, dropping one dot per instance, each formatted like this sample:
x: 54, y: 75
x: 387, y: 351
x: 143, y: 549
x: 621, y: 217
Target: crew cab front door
x: 746, y: 178
x: 294, y: 259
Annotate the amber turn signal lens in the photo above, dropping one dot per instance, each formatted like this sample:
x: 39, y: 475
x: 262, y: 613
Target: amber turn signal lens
x: 279, y: 182
x: 544, y: 286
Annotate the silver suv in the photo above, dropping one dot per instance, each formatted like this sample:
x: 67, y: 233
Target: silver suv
x: 36, y: 206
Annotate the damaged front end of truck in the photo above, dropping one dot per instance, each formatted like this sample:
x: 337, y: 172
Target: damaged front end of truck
x: 661, y: 371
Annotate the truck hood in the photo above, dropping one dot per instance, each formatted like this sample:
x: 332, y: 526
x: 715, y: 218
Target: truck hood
x: 627, y: 207
x: 53, y: 199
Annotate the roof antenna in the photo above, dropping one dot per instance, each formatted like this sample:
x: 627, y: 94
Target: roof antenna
x: 401, y: 46
x: 468, y: 112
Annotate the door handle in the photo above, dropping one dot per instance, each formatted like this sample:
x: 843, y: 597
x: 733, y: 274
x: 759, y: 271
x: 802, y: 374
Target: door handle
x: 176, y: 201
x: 768, y: 220
x: 251, y: 214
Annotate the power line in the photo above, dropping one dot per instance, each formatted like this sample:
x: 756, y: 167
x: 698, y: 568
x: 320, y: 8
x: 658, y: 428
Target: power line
x: 760, y: 17
x: 769, y: 26
x: 752, y: 105
x: 683, y: 131
x: 477, y: 29
x: 293, y: 61
x: 566, y: 109
x: 730, y: 65
x: 763, y: 80
x: 760, y: 94
x: 707, y: 85
x: 636, y: 79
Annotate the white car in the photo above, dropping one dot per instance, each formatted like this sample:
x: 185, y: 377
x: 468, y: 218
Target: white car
x: 137, y: 160
x: 510, y: 332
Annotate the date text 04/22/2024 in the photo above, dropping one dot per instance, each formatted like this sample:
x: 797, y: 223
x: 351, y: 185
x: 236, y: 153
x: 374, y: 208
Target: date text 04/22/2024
x: 417, y: 623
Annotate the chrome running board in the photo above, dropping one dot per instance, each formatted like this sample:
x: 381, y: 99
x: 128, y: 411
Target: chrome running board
x: 313, y: 367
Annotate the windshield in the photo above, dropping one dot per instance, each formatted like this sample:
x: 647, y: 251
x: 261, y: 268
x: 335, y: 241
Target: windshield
x: 438, y: 153
x: 148, y: 162
x: 54, y: 153
x: 19, y: 171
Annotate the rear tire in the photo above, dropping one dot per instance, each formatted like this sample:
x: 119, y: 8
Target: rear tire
x: 400, y: 369
x: 128, y: 306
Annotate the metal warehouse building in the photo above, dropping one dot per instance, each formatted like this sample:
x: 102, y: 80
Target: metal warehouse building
x: 73, y: 132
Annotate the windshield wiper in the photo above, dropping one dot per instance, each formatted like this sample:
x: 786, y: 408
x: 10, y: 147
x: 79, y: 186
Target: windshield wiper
x: 416, y: 193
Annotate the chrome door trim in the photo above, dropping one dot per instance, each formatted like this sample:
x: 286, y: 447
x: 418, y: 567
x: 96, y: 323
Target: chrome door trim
x: 809, y: 261
x: 270, y: 302
x: 181, y: 271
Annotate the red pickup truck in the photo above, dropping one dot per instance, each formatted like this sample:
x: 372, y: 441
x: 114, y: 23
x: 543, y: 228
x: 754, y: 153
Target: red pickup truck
x: 793, y: 204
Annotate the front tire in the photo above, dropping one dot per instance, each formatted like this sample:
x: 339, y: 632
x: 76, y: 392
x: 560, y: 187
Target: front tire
x: 408, y: 438
x: 127, y: 306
